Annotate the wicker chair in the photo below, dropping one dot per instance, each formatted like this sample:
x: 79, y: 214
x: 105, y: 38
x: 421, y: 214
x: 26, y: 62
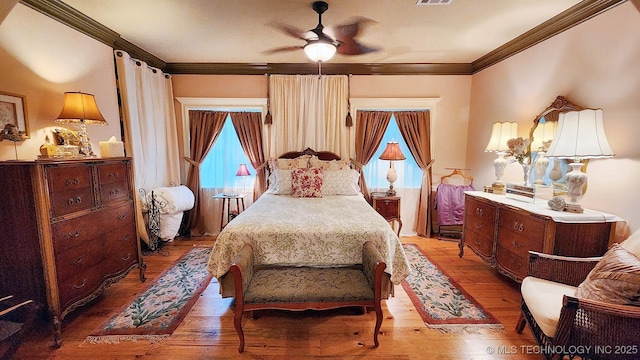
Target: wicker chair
x: 16, y: 320
x: 590, y: 329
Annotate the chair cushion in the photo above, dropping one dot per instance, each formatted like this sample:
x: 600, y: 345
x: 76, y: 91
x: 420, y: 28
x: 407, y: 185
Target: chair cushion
x: 615, y: 278
x: 544, y: 300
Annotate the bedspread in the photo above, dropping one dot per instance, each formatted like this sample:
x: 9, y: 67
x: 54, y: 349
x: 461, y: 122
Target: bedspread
x: 328, y: 231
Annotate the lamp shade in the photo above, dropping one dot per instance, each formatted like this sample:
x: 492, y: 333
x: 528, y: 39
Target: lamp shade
x: 80, y: 108
x: 243, y: 170
x: 392, y: 152
x: 543, y: 132
x: 580, y: 135
x: 319, y: 51
x: 500, y: 134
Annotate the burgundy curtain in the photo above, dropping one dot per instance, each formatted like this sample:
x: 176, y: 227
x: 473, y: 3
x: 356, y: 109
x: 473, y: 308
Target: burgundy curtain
x: 204, y: 129
x: 248, y: 126
x: 370, y: 128
x: 415, y: 127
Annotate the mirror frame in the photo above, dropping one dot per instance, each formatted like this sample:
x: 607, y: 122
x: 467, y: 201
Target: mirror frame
x: 560, y: 105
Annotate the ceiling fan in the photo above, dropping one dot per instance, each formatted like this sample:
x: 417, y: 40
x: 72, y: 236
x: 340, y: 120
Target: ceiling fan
x: 321, y: 45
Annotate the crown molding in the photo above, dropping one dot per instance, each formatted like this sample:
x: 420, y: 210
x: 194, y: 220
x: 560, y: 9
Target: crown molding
x: 554, y: 26
x: 312, y: 68
x: 573, y: 16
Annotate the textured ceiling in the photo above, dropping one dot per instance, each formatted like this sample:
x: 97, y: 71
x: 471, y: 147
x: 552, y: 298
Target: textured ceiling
x: 241, y: 31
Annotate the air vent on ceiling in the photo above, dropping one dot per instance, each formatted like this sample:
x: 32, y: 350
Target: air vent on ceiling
x: 434, y: 2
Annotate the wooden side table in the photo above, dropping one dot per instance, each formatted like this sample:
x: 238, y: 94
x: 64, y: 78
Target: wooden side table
x: 226, y: 200
x: 389, y: 208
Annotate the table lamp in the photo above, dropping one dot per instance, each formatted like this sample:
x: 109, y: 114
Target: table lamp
x: 543, y: 132
x: 500, y: 134
x: 243, y: 171
x: 392, y: 153
x: 580, y: 135
x: 81, y: 108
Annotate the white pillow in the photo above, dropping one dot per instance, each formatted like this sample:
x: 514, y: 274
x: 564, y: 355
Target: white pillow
x: 329, y: 164
x: 341, y: 182
x: 282, y: 183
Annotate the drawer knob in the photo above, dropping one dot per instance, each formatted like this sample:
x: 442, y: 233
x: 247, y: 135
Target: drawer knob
x: 127, y: 257
x: 516, y: 244
x: 518, y: 226
x: 74, y: 181
x: 114, y: 192
x: 78, y: 261
x: 73, y: 234
x: 121, y: 217
x: 113, y: 175
x: 479, y: 211
x: 387, y: 202
x: 125, y: 238
x: 84, y: 282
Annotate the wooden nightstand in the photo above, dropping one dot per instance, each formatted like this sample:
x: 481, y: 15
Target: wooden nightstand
x: 389, y: 208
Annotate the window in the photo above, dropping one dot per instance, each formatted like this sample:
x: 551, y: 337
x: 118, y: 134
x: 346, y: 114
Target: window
x: 409, y: 174
x: 219, y: 167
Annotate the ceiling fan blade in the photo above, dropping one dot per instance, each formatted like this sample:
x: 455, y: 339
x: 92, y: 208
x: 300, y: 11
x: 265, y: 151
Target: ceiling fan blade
x: 291, y: 31
x: 346, y: 33
x: 282, y: 49
x: 353, y: 47
x: 352, y: 28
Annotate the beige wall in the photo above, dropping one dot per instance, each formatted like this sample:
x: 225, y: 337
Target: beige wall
x: 594, y: 64
x: 41, y: 59
x: 452, y: 110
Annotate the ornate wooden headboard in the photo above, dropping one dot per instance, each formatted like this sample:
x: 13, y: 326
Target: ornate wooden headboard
x: 322, y: 155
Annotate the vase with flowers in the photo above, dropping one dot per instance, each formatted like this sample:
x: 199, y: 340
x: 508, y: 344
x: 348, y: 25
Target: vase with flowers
x: 519, y: 151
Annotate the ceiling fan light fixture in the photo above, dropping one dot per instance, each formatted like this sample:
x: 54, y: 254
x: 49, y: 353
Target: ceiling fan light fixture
x: 319, y: 51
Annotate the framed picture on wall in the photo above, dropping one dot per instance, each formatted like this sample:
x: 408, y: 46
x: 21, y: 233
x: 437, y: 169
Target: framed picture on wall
x: 13, y: 110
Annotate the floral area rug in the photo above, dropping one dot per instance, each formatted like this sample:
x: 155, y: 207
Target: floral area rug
x: 440, y: 301
x: 154, y: 314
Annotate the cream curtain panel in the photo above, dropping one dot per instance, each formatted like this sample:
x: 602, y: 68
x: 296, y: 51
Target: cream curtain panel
x: 149, y: 126
x: 309, y: 111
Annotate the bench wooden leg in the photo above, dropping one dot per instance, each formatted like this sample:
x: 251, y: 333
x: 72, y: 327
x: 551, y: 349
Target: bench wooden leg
x: 237, y: 322
x: 378, y: 309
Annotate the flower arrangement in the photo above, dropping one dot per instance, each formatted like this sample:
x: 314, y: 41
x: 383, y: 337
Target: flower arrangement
x: 518, y: 149
x: 11, y: 133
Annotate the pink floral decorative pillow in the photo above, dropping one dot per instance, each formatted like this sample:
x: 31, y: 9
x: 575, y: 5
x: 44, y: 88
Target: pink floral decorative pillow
x: 307, y: 182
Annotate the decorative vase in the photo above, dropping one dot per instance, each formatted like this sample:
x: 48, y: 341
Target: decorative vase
x: 526, y: 168
x: 541, y: 167
x: 556, y: 172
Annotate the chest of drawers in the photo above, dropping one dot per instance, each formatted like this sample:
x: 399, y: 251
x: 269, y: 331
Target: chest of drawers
x: 69, y: 231
x: 502, y: 231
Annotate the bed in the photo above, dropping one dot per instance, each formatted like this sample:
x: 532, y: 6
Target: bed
x: 323, y: 231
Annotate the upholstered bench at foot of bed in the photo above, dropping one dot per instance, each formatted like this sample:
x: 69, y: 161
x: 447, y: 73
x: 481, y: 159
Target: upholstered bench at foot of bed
x: 303, y: 288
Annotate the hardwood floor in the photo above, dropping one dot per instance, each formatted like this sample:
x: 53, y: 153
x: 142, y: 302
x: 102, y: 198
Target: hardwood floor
x: 208, y: 332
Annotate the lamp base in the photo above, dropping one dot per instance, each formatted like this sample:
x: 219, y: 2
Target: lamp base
x: 391, y: 192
